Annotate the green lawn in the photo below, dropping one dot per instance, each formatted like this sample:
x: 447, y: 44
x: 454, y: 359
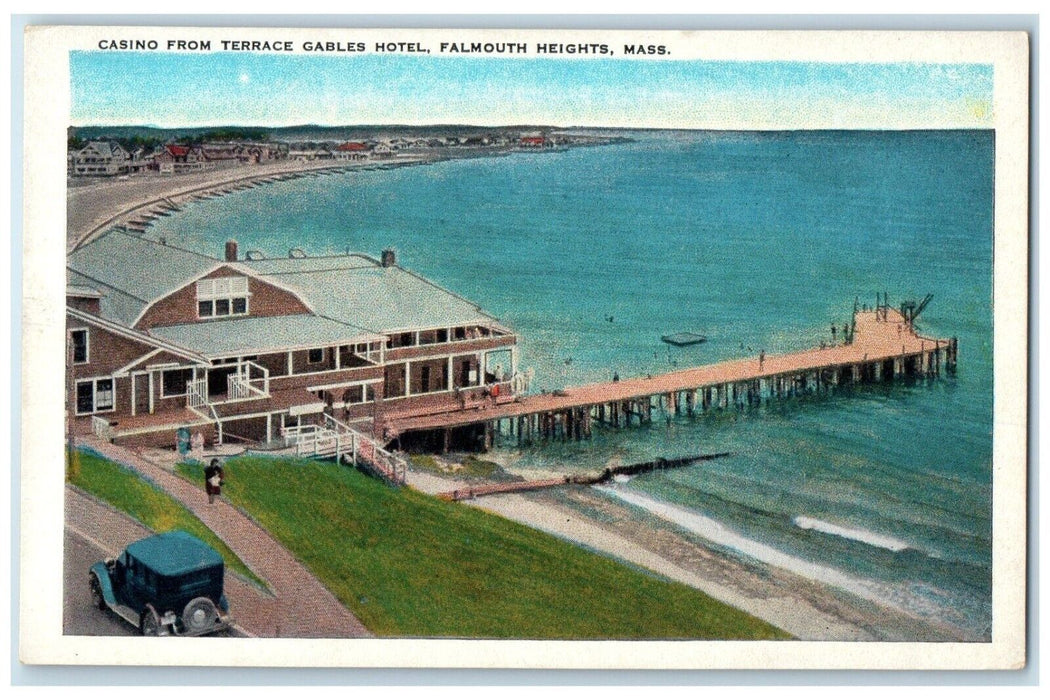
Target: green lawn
x: 129, y: 493
x: 409, y: 564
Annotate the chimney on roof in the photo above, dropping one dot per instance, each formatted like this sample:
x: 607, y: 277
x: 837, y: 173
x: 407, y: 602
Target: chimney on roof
x: 389, y: 258
x: 231, y: 251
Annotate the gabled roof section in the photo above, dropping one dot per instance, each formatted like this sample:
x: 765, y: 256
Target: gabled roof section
x: 358, y: 290
x: 176, y: 150
x: 139, y: 269
x: 144, y: 338
x: 106, y: 149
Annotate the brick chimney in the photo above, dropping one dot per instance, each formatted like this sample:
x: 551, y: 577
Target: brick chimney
x: 389, y: 258
x: 231, y: 251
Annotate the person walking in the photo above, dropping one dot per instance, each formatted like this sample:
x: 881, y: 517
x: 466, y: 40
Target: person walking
x: 214, y: 478
x: 197, y: 444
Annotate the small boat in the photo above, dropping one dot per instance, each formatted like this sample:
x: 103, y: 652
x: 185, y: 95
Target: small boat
x: 681, y: 340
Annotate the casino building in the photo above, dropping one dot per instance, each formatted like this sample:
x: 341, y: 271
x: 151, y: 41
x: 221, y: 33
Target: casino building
x: 255, y: 349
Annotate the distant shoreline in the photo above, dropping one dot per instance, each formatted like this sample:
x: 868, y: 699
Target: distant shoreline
x: 96, y: 207
x: 101, y: 204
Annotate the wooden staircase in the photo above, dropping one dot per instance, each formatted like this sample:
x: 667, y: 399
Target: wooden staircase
x: 336, y: 440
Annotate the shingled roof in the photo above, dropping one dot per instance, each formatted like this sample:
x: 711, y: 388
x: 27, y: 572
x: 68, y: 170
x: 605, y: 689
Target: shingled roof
x: 360, y: 291
x: 133, y: 272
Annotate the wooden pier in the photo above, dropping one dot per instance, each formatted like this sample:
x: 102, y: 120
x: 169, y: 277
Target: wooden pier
x: 883, y: 347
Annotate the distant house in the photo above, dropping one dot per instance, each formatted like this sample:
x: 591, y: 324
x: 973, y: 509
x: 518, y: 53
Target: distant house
x: 260, y: 152
x: 142, y: 159
x: 310, y: 153
x: 351, y: 150
x: 176, y: 159
x: 160, y: 338
x: 222, y: 155
x: 101, y: 158
x: 532, y: 142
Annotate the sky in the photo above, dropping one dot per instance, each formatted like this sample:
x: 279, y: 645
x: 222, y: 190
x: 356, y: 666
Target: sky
x: 261, y: 89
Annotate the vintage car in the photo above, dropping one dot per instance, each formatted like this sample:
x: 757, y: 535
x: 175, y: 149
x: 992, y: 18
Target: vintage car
x: 169, y: 583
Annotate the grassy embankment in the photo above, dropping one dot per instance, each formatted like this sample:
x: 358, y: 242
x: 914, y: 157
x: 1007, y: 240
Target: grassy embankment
x: 409, y: 564
x: 130, y: 493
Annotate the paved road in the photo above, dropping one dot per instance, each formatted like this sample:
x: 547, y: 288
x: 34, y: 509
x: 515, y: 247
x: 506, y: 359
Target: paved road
x: 79, y: 616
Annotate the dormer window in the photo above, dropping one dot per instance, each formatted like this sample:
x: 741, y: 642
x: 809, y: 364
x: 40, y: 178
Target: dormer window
x: 222, y: 296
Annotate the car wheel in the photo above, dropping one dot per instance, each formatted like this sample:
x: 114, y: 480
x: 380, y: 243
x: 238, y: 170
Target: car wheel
x: 199, y: 615
x: 149, y: 623
x: 96, y: 593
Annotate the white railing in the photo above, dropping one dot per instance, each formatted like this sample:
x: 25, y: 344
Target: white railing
x: 102, y: 428
x: 390, y: 466
x: 336, y: 439
x: 250, y: 381
x: 374, y: 355
x: 197, y: 393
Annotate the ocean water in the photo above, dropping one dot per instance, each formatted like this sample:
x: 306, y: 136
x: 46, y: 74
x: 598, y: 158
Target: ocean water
x: 758, y: 241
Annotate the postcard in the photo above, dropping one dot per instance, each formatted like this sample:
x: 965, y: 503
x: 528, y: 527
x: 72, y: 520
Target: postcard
x: 524, y: 348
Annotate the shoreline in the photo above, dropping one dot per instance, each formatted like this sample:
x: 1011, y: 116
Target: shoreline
x: 99, y: 204
x: 806, y: 609
x: 96, y: 207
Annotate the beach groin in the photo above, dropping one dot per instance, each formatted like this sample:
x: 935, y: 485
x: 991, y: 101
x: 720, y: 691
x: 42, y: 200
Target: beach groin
x: 472, y: 492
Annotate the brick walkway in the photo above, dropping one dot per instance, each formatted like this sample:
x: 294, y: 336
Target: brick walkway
x: 304, y: 607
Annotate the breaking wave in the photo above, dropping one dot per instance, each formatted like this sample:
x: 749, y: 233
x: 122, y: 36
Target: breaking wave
x: 859, y: 535
x: 717, y: 533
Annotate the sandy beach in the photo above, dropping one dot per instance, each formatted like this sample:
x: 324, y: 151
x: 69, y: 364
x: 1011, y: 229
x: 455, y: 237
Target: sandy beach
x: 94, y: 206
x: 806, y: 609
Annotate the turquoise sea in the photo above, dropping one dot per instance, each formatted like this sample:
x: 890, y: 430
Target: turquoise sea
x: 756, y: 240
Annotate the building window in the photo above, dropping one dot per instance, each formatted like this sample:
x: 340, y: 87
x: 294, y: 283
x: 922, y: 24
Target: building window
x: 174, y: 381
x: 222, y: 296
x: 354, y: 394
x: 315, y: 356
x: 79, y: 339
x: 94, y: 395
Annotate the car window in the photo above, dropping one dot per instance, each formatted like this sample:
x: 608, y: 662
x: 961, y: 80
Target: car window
x: 194, y: 581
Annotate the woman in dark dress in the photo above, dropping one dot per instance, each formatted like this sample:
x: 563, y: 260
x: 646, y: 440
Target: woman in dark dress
x: 214, y: 478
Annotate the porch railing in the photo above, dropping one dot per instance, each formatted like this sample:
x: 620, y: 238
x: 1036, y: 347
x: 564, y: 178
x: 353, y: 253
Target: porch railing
x: 250, y: 381
x: 197, y: 393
